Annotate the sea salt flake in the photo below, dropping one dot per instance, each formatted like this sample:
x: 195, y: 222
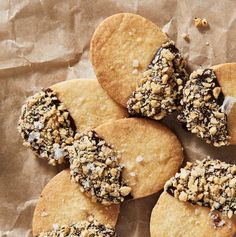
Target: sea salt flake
x: 139, y: 159
x: 59, y: 153
x: 133, y: 174
x: 38, y: 125
x: 56, y: 227
x: 33, y: 136
x: 135, y: 63
x: 43, y: 214
x: 91, y: 166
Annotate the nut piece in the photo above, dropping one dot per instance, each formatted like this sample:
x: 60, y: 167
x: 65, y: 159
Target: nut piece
x: 186, y: 37
x: 198, y: 22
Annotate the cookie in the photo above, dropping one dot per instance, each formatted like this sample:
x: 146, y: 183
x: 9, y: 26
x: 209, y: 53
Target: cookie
x: 209, y: 104
x: 138, y: 65
x: 209, y: 183
x: 171, y: 217
x: 62, y: 203
x: 129, y: 157
x: 50, y: 118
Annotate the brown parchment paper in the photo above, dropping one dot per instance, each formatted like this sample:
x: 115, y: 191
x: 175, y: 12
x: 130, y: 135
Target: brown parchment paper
x: 46, y: 41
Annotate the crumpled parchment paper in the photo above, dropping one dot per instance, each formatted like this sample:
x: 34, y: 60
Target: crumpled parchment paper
x: 46, y: 41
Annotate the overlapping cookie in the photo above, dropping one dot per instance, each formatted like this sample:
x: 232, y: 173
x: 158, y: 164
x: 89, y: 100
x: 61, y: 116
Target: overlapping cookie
x: 170, y: 217
x: 123, y: 159
x: 63, y: 210
x: 209, y: 104
x: 50, y: 118
x: 201, y: 199
x: 138, y: 65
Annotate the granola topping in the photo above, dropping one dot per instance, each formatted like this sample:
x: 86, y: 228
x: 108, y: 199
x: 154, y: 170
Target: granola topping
x: 161, y: 87
x: 95, y: 166
x: 46, y: 126
x: 83, y: 229
x: 209, y: 183
x: 203, y: 113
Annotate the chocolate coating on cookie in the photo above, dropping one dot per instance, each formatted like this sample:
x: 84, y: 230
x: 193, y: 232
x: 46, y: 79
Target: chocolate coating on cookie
x: 83, y: 228
x: 209, y: 183
x: 202, y: 108
x: 46, y: 126
x: 95, y: 166
x: 160, y: 89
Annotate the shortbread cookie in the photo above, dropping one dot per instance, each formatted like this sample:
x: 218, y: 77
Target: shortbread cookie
x: 138, y: 65
x: 63, y: 204
x: 129, y: 156
x: 172, y: 218
x: 50, y: 118
x: 209, y: 104
x: 209, y: 183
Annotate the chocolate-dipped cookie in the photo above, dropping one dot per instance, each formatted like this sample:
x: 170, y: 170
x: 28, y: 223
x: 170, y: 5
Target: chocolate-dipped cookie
x: 209, y: 104
x: 171, y: 217
x: 128, y: 158
x: 63, y: 210
x: 138, y: 65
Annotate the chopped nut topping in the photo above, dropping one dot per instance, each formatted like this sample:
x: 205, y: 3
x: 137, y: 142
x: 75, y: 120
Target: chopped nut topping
x: 94, y: 164
x: 186, y: 37
x: 198, y: 22
x: 160, y: 89
x: 209, y: 183
x: 82, y: 229
x: 202, y: 112
x: 46, y: 126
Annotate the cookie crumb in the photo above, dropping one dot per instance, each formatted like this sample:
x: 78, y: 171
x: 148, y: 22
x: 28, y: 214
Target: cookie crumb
x: 198, y: 22
x: 185, y: 36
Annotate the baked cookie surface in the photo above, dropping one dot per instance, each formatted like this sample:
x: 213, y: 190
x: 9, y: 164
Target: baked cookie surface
x: 62, y: 203
x: 149, y: 151
x: 171, y: 217
x: 88, y: 104
x: 121, y: 49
